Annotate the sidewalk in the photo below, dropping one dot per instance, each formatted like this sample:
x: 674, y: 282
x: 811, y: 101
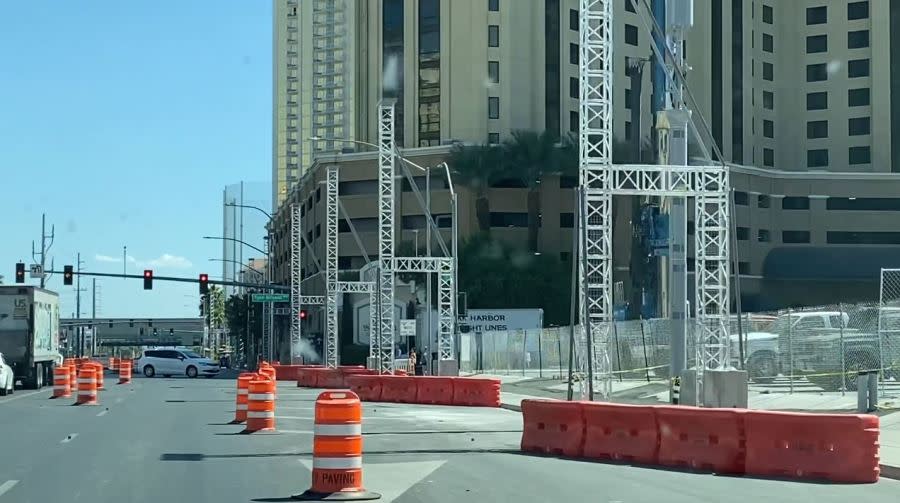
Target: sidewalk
x: 642, y: 392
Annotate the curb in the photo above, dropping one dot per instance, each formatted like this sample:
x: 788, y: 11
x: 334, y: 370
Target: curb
x: 512, y: 407
x: 890, y: 472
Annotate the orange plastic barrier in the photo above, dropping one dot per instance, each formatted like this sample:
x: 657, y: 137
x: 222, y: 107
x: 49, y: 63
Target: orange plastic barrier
x: 620, y: 432
x: 124, y: 371
x: 61, y: 386
x: 434, y: 390
x: 307, y: 378
x: 366, y: 387
x: 553, y: 427
x: 476, y: 392
x: 87, y: 386
x: 330, y: 379
x: 260, y: 406
x: 834, y: 447
x: 400, y: 389
x: 243, y: 390
x: 701, y: 439
x: 337, y: 449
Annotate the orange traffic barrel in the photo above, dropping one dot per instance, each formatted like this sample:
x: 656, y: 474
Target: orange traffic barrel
x: 260, y: 405
x: 112, y: 363
x: 87, y: 386
x: 73, y: 375
x: 98, y: 375
x: 337, y: 449
x: 243, y: 389
x: 124, y: 371
x: 61, y: 386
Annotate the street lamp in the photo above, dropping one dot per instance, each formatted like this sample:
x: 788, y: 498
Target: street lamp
x: 237, y: 241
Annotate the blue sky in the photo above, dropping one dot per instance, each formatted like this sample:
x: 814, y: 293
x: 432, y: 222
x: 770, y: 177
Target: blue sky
x: 123, y: 122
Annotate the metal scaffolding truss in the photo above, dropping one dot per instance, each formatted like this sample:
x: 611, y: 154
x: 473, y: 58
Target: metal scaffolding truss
x: 355, y: 286
x: 296, y: 279
x: 600, y: 180
x: 443, y: 266
x: 312, y: 300
x: 385, y: 345
x: 331, y: 267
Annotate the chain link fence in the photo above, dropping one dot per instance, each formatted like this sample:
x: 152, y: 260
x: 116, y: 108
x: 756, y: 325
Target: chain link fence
x: 818, y: 349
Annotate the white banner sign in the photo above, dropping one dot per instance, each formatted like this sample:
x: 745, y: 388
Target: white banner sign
x: 495, y: 320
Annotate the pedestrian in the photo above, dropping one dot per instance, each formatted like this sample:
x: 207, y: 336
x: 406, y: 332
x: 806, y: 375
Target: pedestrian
x: 411, y: 367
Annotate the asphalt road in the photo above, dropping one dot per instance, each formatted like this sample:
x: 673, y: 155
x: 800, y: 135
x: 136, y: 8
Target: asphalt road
x: 167, y: 440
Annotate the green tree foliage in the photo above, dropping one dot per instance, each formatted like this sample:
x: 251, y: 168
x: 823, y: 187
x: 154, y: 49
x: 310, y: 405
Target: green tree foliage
x: 476, y: 167
x: 498, y: 276
x: 216, y: 307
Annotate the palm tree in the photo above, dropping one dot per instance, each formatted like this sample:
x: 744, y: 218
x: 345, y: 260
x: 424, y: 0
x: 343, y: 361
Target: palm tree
x: 216, y: 307
x: 476, y: 167
x: 530, y: 156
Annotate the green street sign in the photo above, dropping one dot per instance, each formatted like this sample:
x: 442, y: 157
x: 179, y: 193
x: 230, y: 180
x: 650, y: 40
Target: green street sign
x: 271, y: 297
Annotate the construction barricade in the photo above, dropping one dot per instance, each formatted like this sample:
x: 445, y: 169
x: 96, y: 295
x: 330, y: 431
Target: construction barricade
x: 615, y: 432
x: 61, y: 385
x: 87, y: 386
x: 476, y: 392
x: 398, y: 389
x: 553, y: 427
x: 701, y: 439
x: 366, y: 387
x: 124, y: 371
x: 243, y: 389
x: 337, y: 449
x: 307, y: 377
x: 434, y: 390
x: 330, y: 379
x: 260, y: 406
x: 834, y: 447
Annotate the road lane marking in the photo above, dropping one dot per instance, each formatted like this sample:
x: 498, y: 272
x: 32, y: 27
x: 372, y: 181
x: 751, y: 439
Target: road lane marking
x: 16, y: 397
x: 68, y: 438
x: 102, y: 413
x: 6, y: 486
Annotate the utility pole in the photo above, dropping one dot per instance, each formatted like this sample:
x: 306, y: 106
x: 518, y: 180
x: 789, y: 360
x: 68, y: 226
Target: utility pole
x: 44, y: 246
x: 94, y: 299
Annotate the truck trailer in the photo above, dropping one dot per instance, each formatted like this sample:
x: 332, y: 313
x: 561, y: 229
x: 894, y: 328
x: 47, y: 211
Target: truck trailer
x: 29, y: 333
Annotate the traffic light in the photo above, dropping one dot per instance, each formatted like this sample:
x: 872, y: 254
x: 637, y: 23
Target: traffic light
x: 303, y: 314
x: 204, y: 284
x: 20, y: 272
x: 67, y: 275
x: 148, y: 279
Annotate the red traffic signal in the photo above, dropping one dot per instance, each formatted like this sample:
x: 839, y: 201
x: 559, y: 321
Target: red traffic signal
x: 148, y: 279
x: 204, y: 284
x: 20, y: 272
x: 303, y: 314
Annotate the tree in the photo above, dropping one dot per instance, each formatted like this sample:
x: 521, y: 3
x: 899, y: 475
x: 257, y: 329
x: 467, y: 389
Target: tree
x: 530, y: 156
x: 216, y: 307
x: 476, y: 167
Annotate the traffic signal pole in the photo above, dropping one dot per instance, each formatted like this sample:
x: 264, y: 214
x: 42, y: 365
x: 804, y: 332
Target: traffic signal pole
x: 177, y: 279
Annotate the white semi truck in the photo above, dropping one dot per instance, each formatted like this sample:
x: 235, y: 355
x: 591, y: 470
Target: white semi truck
x: 29, y: 333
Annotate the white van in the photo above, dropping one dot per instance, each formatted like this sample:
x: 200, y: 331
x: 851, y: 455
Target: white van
x: 169, y: 362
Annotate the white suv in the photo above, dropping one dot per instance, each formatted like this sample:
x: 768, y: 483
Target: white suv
x: 169, y: 362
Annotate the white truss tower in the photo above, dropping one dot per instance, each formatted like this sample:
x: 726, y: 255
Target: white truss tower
x: 600, y: 180
x: 443, y: 266
x: 293, y: 145
x: 329, y: 40
x: 385, y: 350
x: 331, y: 267
x: 296, y: 277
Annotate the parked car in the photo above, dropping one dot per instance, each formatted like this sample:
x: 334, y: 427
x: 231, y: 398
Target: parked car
x: 170, y: 362
x: 7, y: 380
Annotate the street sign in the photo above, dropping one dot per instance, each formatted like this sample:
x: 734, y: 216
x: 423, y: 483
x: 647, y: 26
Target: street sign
x: 407, y: 328
x: 37, y: 271
x: 271, y: 297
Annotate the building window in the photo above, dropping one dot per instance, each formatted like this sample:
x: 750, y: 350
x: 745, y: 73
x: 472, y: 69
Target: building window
x: 493, y: 35
x: 858, y: 97
x: 795, y: 203
x: 768, y: 71
x: 857, y: 10
x: 743, y: 233
x: 768, y: 43
x: 768, y: 129
x: 392, y: 54
x: 552, y: 78
x: 816, y: 73
x: 494, y: 138
x: 816, y: 101
x: 494, y: 5
x: 744, y: 268
x: 817, y: 15
x: 627, y: 130
x: 859, y: 126
x: 567, y: 220
x: 740, y: 198
x: 628, y: 99
x: 768, y: 157
x: 859, y: 155
x: 493, y: 108
x: 494, y: 72
x: 309, y: 236
x: 573, y: 89
x: 573, y: 121
x: 318, y: 194
x: 858, y: 39
x: 768, y: 100
x: 816, y: 129
x: 631, y: 34
x: 763, y: 201
x: 816, y: 43
x: 862, y: 204
x: 573, y: 54
x: 817, y: 158
x: 345, y: 262
x: 862, y: 238
x: 767, y: 14
x: 573, y: 19
x: 509, y: 219
x: 429, y: 73
x: 795, y: 237
x: 763, y: 236
x: 857, y: 68
x: 629, y: 6
x: 318, y: 230
x: 691, y: 228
